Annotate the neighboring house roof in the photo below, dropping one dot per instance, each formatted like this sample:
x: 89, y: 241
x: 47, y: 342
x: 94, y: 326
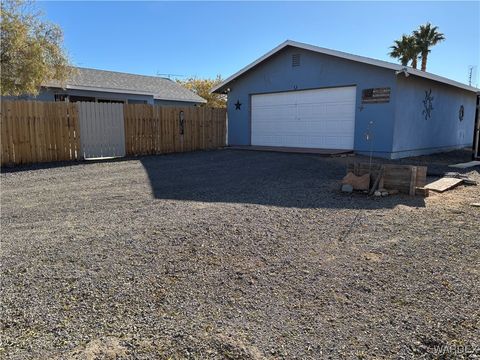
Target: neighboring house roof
x: 118, y: 82
x: 340, y: 54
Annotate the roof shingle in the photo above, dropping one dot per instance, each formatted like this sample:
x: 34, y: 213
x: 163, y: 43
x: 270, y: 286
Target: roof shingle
x: 112, y: 81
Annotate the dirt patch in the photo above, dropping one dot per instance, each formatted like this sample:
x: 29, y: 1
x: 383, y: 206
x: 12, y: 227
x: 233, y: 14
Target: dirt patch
x: 369, y: 256
x: 107, y: 348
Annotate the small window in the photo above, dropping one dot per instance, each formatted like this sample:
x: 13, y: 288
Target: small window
x: 376, y: 95
x: 61, y: 97
x: 134, y: 101
x: 295, y: 60
x: 81, y: 98
x: 113, y: 101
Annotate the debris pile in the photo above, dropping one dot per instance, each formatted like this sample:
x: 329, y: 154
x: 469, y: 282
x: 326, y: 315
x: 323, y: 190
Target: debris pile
x: 385, y: 179
x: 352, y: 182
x: 465, y: 178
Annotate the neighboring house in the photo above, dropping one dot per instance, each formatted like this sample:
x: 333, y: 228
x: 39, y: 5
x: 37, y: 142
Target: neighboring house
x: 299, y: 95
x: 111, y: 86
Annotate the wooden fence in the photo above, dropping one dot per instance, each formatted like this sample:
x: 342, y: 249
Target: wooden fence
x: 158, y: 130
x: 33, y: 131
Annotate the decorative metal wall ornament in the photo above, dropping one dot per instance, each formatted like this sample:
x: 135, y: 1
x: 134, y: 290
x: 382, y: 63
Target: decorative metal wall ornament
x: 428, y: 104
x: 461, y: 112
x: 238, y: 104
x: 181, y: 122
x: 376, y: 95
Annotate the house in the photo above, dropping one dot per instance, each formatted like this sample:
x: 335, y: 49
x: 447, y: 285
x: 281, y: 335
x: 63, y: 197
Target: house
x: 111, y: 86
x: 300, y: 95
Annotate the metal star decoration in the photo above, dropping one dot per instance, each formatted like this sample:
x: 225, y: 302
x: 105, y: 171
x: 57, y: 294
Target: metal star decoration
x: 238, y: 105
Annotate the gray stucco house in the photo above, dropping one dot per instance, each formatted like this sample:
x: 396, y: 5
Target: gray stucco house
x: 110, y: 86
x: 300, y: 95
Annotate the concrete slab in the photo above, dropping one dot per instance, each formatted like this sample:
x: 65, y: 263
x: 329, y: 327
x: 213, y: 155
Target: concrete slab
x: 293, y: 150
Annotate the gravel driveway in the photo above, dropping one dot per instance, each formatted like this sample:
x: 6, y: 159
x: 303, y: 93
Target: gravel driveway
x: 233, y: 255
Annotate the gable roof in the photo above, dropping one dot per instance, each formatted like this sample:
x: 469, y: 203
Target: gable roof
x: 362, y: 59
x: 118, y: 82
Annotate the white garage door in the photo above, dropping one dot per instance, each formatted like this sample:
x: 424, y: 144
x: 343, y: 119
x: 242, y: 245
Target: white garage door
x: 321, y: 118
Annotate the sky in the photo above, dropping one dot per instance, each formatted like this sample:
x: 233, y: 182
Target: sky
x: 203, y: 39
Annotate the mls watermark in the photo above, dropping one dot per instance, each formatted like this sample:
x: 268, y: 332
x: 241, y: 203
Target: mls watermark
x: 456, y: 350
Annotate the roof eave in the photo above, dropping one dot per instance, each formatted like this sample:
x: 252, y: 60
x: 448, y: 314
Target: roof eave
x: 125, y: 91
x: 200, y: 100
x: 440, y: 79
x: 101, y: 89
x: 220, y: 88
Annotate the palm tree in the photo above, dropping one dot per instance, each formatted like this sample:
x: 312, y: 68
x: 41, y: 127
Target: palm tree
x: 406, y: 50
x: 427, y: 36
x: 399, y: 51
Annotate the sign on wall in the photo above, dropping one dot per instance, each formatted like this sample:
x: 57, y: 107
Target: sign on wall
x: 376, y: 95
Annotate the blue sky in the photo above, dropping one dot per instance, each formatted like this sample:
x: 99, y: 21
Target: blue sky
x: 208, y: 38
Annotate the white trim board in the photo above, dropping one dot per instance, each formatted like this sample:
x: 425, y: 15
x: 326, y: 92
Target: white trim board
x: 380, y: 63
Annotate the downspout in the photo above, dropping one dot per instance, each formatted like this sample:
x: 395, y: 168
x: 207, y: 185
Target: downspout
x: 396, y: 99
x: 476, y: 131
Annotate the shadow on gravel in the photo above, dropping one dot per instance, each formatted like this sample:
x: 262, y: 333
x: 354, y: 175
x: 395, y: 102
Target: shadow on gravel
x: 263, y: 178
x: 57, y: 164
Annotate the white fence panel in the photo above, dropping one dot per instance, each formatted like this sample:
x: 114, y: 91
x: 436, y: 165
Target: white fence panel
x: 102, y: 131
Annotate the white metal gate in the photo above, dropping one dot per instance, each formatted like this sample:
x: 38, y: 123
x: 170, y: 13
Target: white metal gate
x: 102, y: 132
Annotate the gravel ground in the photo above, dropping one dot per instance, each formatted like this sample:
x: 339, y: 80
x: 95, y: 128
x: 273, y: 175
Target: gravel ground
x: 234, y: 255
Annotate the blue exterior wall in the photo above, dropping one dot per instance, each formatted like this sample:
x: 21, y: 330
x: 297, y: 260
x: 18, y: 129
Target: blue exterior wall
x: 414, y: 135
x: 48, y: 94
x: 316, y: 71
x: 397, y: 128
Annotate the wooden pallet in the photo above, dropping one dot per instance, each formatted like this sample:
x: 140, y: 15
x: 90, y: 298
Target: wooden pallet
x: 404, y: 178
x: 443, y: 184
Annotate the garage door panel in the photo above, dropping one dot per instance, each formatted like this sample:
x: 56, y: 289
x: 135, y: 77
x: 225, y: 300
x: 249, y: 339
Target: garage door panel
x: 342, y: 108
x: 310, y: 110
x: 272, y: 113
x: 272, y: 99
x: 322, y: 118
x: 317, y: 141
x: 333, y: 95
x: 337, y: 127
